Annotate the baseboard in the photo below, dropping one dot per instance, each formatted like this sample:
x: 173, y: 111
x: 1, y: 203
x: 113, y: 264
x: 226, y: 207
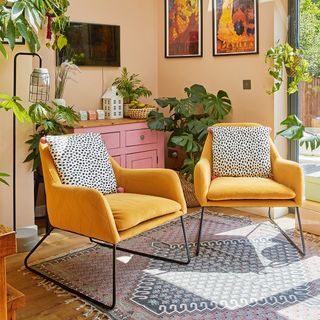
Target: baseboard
x: 263, y: 211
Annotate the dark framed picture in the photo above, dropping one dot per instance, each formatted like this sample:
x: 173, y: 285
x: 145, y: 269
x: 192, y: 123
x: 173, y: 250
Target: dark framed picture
x: 18, y: 40
x: 183, y: 30
x: 235, y: 27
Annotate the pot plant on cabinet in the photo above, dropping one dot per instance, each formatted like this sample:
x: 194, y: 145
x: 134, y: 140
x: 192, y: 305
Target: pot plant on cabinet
x: 188, y: 124
x: 130, y: 87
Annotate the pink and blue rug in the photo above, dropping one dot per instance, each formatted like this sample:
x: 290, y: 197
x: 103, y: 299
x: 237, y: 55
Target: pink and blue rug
x: 245, y: 270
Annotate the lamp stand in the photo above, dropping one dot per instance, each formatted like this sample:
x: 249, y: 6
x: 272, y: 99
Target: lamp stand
x: 26, y: 237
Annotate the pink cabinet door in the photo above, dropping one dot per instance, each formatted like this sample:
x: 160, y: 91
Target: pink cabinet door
x: 140, y: 160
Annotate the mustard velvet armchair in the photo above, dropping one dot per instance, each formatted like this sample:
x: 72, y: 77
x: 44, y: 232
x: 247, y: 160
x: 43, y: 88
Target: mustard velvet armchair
x: 285, y: 189
x: 152, y: 198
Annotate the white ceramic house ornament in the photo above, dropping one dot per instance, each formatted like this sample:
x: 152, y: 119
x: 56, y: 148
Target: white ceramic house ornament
x: 112, y: 104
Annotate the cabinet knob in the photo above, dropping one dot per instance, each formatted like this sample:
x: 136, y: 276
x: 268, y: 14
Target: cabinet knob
x: 142, y: 137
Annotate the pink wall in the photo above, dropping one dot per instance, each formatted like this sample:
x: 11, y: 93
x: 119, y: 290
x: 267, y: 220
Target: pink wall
x: 139, y: 48
x: 142, y: 51
x: 228, y: 72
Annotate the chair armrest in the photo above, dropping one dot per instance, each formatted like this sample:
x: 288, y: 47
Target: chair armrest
x: 81, y: 210
x: 163, y: 183
x: 289, y: 173
x: 202, y: 180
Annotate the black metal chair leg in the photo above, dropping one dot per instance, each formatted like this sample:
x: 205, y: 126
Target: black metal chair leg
x: 76, y: 292
x: 200, y: 230
x: 301, y: 252
x: 143, y: 254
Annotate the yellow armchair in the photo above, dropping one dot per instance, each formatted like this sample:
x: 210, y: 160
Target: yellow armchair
x: 151, y: 198
x: 285, y: 189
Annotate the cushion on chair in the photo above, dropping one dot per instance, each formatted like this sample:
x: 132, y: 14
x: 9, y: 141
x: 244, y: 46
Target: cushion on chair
x: 241, y: 152
x: 242, y: 188
x: 82, y: 160
x: 130, y: 209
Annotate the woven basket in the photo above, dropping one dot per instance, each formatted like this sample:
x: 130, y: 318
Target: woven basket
x: 188, y: 190
x: 140, y: 113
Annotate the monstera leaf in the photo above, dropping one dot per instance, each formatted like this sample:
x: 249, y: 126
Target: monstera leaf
x: 296, y: 131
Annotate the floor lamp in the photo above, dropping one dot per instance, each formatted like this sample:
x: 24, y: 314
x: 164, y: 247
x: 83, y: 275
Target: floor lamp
x: 38, y: 92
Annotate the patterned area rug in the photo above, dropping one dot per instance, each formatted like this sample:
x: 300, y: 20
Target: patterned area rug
x: 244, y: 271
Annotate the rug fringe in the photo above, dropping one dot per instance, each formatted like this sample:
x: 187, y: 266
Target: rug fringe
x: 88, y: 311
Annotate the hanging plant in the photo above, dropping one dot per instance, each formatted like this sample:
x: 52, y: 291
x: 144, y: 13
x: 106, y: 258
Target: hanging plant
x: 285, y: 58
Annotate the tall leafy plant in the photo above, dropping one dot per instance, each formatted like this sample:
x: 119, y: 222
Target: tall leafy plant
x: 48, y: 120
x: 130, y: 87
x: 25, y: 18
x: 189, y: 120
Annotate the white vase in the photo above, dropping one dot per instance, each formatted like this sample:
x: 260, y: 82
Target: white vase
x: 60, y: 102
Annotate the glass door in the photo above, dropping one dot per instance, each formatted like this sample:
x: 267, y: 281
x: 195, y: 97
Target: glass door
x: 309, y: 93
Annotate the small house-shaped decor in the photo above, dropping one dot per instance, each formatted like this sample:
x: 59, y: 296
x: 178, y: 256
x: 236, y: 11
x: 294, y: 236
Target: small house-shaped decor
x: 112, y: 104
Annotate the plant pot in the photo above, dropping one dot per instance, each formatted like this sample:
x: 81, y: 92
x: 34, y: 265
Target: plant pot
x: 188, y: 190
x: 140, y: 113
x: 60, y: 102
x: 126, y: 110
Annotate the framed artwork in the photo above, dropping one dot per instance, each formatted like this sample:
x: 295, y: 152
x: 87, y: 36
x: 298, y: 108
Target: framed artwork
x: 235, y: 27
x: 183, y: 30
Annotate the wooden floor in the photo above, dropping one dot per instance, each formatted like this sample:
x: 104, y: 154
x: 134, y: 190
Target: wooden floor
x: 43, y: 304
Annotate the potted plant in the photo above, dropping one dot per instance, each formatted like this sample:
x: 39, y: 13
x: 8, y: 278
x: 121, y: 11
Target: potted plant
x: 64, y: 72
x: 25, y: 19
x: 284, y: 57
x: 139, y: 110
x: 48, y: 120
x: 130, y: 87
x: 188, y: 124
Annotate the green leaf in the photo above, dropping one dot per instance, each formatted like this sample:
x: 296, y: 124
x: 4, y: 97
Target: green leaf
x: 62, y: 42
x: 17, y: 9
x: 4, y: 96
x: 11, y: 34
x: 291, y: 120
x: 2, y: 174
x: 295, y: 129
x: 22, y: 28
x: 3, y: 51
x: 30, y: 18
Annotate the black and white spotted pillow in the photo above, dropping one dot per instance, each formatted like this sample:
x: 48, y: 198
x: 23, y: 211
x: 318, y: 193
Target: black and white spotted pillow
x: 82, y: 160
x: 241, y: 152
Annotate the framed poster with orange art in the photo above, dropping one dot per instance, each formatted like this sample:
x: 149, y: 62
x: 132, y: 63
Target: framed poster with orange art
x: 183, y: 34
x: 235, y: 27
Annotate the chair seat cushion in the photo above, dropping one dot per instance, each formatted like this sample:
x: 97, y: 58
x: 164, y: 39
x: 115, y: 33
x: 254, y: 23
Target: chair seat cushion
x: 130, y: 209
x: 237, y: 188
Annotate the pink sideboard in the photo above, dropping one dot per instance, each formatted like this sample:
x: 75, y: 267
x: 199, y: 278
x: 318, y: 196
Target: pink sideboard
x: 130, y: 142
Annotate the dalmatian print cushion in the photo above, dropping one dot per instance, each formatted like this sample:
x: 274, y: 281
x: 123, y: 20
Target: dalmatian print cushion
x: 241, y: 152
x: 82, y: 160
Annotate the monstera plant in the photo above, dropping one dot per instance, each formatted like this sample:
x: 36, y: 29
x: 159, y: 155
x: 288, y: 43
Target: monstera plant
x: 24, y: 18
x: 189, y: 120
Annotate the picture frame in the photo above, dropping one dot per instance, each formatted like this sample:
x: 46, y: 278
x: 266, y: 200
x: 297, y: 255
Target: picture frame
x: 235, y: 27
x: 19, y: 40
x: 183, y: 28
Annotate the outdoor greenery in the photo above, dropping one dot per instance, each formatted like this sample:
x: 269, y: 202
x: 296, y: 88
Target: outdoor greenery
x: 130, y: 87
x: 25, y: 18
x: 189, y: 128
x: 48, y: 120
x: 310, y: 34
